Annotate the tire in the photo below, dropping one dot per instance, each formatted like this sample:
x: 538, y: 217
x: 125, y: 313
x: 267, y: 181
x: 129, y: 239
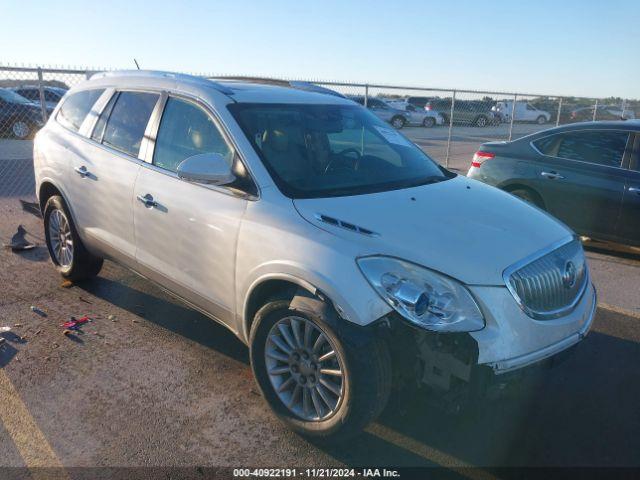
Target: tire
x: 541, y: 120
x: 398, y: 122
x: 366, y: 371
x: 528, y: 196
x: 20, y: 129
x: 74, y: 262
x: 480, y: 121
x: 429, y: 122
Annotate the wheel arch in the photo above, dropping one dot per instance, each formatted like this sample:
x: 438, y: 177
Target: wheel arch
x: 521, y: 186
x: 48, y: 188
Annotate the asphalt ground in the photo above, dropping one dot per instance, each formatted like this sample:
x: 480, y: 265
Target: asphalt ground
x: 150, y: 382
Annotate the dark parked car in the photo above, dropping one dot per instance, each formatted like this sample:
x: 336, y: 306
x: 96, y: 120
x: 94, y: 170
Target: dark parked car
x: 603, y: 112
x: 465, y: 112
x: 18, y: 116
x: 52, y: 95
x: 587, y: 175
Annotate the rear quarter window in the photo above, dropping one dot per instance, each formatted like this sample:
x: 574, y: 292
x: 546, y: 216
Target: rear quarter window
x: 76, y: 107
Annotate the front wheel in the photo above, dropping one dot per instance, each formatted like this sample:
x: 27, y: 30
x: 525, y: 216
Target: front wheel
x: 316, y: 382
x: 481, y: 121
x: 398, y: 122
x: 68, y: 253
x: 429, y: 122
x: 541, y: 120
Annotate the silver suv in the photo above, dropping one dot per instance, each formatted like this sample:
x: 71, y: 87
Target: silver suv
x: 339, y: 252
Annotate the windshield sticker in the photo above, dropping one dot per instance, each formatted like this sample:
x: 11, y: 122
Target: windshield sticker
x: 392, y: 136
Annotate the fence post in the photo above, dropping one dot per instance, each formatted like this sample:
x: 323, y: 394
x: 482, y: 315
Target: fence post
x: 595, y: 110
x: 624, y: 107
x: 453, y: 103
x: 366, y: 95
x: 513, y: 114
x: 43, y: 105
x: 559, y: 110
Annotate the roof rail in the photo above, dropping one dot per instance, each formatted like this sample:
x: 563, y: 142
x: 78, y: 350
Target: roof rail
x: 160, y: 74
x: 300, y: 85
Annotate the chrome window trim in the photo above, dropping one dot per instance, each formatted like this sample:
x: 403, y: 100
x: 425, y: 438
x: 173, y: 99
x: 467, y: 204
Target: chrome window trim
x: 622, y: 160
x: 506, y: 274
x: 151, y: 135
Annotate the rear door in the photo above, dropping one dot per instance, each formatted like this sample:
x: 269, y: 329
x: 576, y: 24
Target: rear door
x: 105, y: 170
x: 581, y: 178
x: 186, y: 233
x: 629, y: 224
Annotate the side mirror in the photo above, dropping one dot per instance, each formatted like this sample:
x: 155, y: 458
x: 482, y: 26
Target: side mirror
x: 209, y: 168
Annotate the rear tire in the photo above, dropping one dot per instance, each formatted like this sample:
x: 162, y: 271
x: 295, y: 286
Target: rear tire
x: 363, y: 386
x: 21, y: 130
x: 541, y: 120
x: 528, y: 196
x: 68, y: 253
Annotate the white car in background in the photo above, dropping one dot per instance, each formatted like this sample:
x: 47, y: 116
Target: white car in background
x: 524, y: 112
x: 331, y: 245
x: 417, y: 116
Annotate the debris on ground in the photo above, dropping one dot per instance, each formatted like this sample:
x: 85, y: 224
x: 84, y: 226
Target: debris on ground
x: 31, y: 207
x: 75, y: 323
x: 37, y: 311
x: 135, y: 320
x: 67, y: 284
x: 112, y: 318
x: 82, y: 299
x: 5, y: 329
x: 19, y: 242
x: 17, y: 324
x: 67, y: 332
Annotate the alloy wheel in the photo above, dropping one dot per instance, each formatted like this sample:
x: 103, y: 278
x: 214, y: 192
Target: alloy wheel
x: 60, y: 238
x: 20, y: 129
x: 305, y: 368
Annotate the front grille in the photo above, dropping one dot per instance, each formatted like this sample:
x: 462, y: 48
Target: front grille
x: 550, y: 284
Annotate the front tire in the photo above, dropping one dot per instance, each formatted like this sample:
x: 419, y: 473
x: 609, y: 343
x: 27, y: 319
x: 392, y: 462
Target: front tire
x: 481, y: 121
x: 68, y: 253
x: 429, y: 122
x: 398, y: 122
x: 541, y: 120
x: 317, y: 382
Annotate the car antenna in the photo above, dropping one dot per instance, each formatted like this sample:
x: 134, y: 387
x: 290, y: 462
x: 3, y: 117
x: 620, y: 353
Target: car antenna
x: 136, y: 62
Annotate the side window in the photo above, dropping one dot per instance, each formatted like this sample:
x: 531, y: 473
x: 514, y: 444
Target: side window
x: 598, y: 147
x: 186, y: 130
x: 128, y: 121
x: 76, y: 107
x: 50, y: 96
x: 30, y: 94
x: 98, y: 129
x: 547, y: 145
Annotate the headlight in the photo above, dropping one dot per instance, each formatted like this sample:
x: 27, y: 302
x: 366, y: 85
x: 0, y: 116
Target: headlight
x: 426, y: 298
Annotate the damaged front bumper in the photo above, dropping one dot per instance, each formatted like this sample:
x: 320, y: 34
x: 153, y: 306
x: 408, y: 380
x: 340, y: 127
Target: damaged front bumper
x: 510, y: 346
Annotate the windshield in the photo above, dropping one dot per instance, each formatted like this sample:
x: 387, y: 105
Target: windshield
x: 12, y: 97
x: 332, y: 150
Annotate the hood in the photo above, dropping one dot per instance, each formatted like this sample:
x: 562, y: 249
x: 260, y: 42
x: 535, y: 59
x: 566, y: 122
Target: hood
x: 459, y: 227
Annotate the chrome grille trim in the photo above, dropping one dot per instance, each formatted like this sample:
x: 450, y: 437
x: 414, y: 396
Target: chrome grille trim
x: 536, y: 282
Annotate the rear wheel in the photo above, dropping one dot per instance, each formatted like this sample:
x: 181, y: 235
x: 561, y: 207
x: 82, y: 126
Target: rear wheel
x: 541, y: 120
x: 528, y: 196
x: 429, y: 122
x: 481, y: 121
x: 67, y: 251
x: 20, y: 129
x: 314, y: 381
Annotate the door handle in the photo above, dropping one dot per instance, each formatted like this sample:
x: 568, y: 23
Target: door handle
x: 635, y: 190
x: 82, y: 171
x: 551, y: 175
x: 147, y: 200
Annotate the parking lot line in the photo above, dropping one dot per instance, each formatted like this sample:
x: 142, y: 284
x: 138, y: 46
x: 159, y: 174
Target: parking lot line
x: 621, y: 311
x: 433, y: 455
x: 37, y: 454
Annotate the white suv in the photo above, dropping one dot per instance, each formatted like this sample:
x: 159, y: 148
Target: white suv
x: 341, y: 254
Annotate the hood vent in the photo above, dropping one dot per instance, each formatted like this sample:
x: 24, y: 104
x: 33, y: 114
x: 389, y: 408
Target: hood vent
x: 346, y: 225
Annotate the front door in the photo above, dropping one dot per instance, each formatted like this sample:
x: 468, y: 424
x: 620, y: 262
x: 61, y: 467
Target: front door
x: 629, y: 224
x: 186, y: 233
x: 581, y: 178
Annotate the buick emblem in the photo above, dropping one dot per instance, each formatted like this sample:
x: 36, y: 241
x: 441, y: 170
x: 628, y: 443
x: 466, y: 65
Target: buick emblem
x: 569, y: 276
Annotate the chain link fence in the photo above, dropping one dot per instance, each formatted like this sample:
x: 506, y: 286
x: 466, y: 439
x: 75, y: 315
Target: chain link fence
x: 449, y: 125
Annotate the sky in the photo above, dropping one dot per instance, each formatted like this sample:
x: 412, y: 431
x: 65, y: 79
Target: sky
x: 555, y: 47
